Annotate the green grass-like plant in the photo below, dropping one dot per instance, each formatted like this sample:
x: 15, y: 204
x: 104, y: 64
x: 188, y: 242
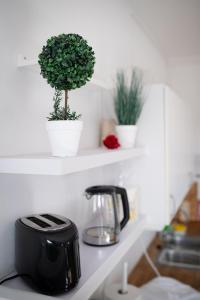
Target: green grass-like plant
x: 128, y: 99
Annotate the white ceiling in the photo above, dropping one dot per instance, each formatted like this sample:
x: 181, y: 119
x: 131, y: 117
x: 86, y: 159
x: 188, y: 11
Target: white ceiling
x: 173, y: 25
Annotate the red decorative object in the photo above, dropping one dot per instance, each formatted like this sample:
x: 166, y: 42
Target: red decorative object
x: 111, y: 142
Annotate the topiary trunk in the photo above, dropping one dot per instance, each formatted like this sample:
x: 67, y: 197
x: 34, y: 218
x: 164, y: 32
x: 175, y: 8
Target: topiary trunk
x: 66, y: 98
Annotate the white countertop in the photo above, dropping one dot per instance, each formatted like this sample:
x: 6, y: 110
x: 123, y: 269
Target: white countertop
x: 96, y: 264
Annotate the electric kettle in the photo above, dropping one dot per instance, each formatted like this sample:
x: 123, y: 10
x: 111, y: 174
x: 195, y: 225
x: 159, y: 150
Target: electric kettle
x: 107, y: 212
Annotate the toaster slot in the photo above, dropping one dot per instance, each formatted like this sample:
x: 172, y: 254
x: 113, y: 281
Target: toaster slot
x: 53, y: 219
x: 38, y: 222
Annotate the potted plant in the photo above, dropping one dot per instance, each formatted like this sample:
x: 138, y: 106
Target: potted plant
x: 67, y: 62
x: 128, y: 101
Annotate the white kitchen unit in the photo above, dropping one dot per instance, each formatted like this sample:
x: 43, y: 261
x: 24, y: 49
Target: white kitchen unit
x: 161, y: 165
x: 164, y: 175
x: 180, y: 148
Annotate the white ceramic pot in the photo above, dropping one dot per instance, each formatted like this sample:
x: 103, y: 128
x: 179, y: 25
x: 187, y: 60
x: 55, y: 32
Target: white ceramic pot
x: 64, y: 137
x: 126, y: 135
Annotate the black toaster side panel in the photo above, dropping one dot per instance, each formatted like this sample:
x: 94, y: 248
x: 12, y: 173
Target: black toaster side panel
x: 51, y: 260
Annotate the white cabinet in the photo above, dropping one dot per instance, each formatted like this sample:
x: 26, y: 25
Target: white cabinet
x: 164, y: 175
x: 179, y: 150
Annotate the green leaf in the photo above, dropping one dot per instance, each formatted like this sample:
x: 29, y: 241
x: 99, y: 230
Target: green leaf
x: 66, y: 54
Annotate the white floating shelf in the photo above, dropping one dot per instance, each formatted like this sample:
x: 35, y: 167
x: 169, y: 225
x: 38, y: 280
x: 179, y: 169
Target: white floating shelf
x: 43, y: 164
x: 96, y: 264
x: 25, y: 62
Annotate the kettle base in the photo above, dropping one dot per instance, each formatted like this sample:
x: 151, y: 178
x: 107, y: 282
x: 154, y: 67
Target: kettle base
x: 100, y: 236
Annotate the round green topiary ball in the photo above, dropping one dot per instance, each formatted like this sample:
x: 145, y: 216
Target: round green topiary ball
x: 67, y: 61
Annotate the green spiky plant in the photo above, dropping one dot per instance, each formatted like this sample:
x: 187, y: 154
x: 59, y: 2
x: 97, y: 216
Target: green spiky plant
x: 128, y: 99
x: 67, y: 62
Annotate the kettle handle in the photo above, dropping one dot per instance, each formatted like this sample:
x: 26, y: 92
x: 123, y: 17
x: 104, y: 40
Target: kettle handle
x: 125, y: 205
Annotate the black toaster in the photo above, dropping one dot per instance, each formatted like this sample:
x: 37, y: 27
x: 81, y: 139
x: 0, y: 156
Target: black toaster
x: 47, y: 252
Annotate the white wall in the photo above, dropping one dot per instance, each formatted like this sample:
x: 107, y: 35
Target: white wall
x: 23, y: 195
x: 26, y: 99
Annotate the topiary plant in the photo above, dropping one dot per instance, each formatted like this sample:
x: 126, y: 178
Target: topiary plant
x: 67, y: 62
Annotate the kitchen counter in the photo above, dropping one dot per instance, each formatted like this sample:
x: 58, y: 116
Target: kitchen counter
x: 143, y: 273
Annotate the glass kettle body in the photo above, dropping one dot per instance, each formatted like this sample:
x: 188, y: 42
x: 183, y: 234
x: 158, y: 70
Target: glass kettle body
x: 106, y: 204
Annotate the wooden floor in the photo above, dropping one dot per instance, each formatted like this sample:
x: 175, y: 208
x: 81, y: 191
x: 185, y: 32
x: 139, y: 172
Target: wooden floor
x: 143, y: 273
